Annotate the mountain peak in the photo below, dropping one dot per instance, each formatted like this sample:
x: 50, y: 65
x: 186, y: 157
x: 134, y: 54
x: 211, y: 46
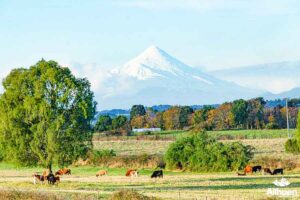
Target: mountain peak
x: 153, y: 62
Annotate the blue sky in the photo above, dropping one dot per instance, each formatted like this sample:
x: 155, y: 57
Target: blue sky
x: 210, y: 33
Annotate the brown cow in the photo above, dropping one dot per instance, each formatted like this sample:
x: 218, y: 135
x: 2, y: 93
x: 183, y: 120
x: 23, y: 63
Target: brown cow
x: 248, y: 169
x: 101, y: 173
x: 63, y: 171
x: 132, y: 172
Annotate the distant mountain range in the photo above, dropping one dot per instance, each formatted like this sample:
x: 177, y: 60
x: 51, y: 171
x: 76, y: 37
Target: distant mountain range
x: 155, y: 77
x: 293, y: 93
x: 272, y: 77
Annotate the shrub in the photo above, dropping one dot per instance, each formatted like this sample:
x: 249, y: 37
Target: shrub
x: 292, y: 146
x: 201, y: 153
x: 101, y: 156
x: 129, y: 194
x: 272, y: 125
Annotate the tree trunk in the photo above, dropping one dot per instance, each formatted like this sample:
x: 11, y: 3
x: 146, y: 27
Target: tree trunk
x: 50, y: 167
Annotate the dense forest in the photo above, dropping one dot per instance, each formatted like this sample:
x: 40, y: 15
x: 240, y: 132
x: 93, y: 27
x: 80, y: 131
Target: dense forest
x: 240, y: 114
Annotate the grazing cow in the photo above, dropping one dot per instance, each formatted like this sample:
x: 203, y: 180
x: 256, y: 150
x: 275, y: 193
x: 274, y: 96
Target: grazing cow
x: 256, y: 168
x: 101, y: 173
x: 267, y: 170
x: 51, y: 179
x: 37, y: 177
x: 278, y: 171
x: 248, y: 169
x: 63, y: 171
x: 241, y: 174
x: 131, y: 172
x: 158, y: 173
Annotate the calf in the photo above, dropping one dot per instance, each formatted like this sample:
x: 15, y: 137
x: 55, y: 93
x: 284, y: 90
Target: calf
x: 278, y: 171
x: 267, y: 170
x: 101, y: 173
x: 256, y: 168
x: 158, y: 173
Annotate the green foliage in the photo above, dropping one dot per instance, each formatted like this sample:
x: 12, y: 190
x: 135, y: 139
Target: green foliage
x: 104, y: 123
x: 240, y: 112
x: 119, y: 122
x: 101, y: 156
x: 184, y: 114
x: 293, y: 145
x: 272, y: 125
x: 137, y: 110
x: 45, y: 116
x: 201, y: 153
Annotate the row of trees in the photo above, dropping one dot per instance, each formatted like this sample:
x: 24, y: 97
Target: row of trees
x: 239, y: 114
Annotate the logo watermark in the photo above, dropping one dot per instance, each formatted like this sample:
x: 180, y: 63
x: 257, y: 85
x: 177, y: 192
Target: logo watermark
x: 281, y: 191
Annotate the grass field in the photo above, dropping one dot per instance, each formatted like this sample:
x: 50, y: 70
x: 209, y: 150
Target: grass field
x: 227, y: 134
x: 175, y: 185
x: 83, y: 184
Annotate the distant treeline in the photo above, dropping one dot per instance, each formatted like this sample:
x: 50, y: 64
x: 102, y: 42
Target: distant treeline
x: 239, y: 114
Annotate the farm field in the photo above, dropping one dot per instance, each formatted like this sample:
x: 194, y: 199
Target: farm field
x: 226, y: 134
x: 83, y: 184
x: 175, y: 185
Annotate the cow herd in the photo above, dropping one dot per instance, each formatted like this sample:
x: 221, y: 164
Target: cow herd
x: 47, y: 175
x: 250, y: 170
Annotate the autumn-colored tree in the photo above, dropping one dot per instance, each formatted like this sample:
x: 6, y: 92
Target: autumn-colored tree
x: 221, y: 117
x: 138, y: 122
x: 255, y: 113
x: 171, y: 118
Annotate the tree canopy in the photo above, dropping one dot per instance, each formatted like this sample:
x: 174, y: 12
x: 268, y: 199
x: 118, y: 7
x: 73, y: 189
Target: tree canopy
x: 45, y: 115
x: 201, y: 153
x: 137, y: 110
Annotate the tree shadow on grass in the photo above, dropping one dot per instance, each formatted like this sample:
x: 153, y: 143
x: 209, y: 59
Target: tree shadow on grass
x: 204, y: 187
x: 251, y: 178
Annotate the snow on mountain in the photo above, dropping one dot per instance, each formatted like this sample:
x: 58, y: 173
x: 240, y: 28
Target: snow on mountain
x: 155, y: 77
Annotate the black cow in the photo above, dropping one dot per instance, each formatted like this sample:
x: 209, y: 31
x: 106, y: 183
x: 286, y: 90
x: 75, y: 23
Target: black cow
x: 256, y: 168
x: 277, y: 171
x: 158, y: 173
x: 267, y: 170
x: 51, y: 179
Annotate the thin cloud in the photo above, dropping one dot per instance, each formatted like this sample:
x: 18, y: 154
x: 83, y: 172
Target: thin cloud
x: 250, y: 7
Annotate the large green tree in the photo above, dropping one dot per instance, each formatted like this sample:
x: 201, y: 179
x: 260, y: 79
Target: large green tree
x: 240, y: 112
x: 137, y: 110
x: 104, y: 123
x: 45, y: 115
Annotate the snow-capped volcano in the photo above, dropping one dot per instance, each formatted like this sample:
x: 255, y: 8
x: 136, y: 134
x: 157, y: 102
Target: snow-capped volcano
x: 155, y: 77
x: 155, y: 62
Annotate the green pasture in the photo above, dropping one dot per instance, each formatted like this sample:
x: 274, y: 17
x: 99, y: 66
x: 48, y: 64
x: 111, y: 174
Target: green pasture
x: 174, y: 185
